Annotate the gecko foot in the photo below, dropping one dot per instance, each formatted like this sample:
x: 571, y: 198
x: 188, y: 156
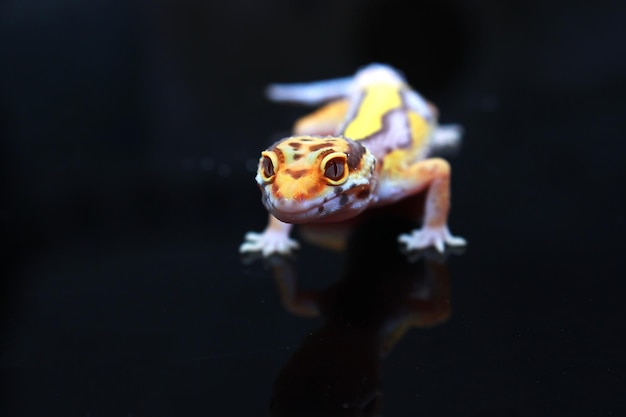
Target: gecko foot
x: 268, y: 242
x: 430, y: 236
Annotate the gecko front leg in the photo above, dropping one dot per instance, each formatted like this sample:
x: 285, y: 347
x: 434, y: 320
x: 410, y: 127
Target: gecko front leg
x: 432, y: 174
x: 274, y: 239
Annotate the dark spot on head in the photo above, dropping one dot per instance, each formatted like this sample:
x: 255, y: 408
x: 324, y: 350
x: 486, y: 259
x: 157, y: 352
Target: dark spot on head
x: 295, y: 145
x: 295, y: 174
x: 388, y: 150
x: 317, y: 147
x: 355, y: 153
x: 280, y: 155
x: 338, y: 190
x: 324, y: 153
x: 343, y: 200
x: 297, y: 156
x: 363, y: 194
x: 320, y: 209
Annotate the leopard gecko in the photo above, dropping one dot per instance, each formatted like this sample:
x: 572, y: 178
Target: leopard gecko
x: 367, y: 146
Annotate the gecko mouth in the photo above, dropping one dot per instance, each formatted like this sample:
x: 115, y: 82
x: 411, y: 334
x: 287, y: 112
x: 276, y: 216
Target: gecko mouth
x: 294, y: 213
x: 337, y: 208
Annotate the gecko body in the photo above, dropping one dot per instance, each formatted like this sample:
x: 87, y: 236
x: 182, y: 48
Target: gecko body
x: 367, y: 146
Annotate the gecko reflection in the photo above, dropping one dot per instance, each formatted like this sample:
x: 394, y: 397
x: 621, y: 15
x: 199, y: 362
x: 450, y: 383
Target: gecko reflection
x: 336, y: 371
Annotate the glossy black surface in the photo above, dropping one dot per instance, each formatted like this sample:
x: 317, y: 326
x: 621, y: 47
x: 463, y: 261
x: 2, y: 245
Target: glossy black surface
x: 130, y: 134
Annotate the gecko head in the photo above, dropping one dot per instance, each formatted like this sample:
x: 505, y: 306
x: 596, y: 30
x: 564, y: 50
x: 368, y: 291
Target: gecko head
x: 308, y: 179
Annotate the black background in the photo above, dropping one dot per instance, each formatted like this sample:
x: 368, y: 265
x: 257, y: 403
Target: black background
x: 130, y: 133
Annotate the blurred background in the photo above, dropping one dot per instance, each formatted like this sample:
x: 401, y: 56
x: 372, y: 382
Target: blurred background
x: 130, y: 133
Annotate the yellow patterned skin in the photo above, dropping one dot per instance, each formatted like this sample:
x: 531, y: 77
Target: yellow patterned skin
x: 367, y: 148
x: 377, y: 101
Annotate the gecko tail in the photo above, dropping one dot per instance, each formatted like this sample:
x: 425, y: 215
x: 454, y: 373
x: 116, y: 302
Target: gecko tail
x: 312, y: 93
x: 319, y: 92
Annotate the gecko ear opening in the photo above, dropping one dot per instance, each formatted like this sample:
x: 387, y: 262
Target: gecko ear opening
x: 335, y: 168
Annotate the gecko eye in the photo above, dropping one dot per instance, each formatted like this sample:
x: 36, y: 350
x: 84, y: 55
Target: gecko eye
x: 335, y: 169
x: 267, y: 166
